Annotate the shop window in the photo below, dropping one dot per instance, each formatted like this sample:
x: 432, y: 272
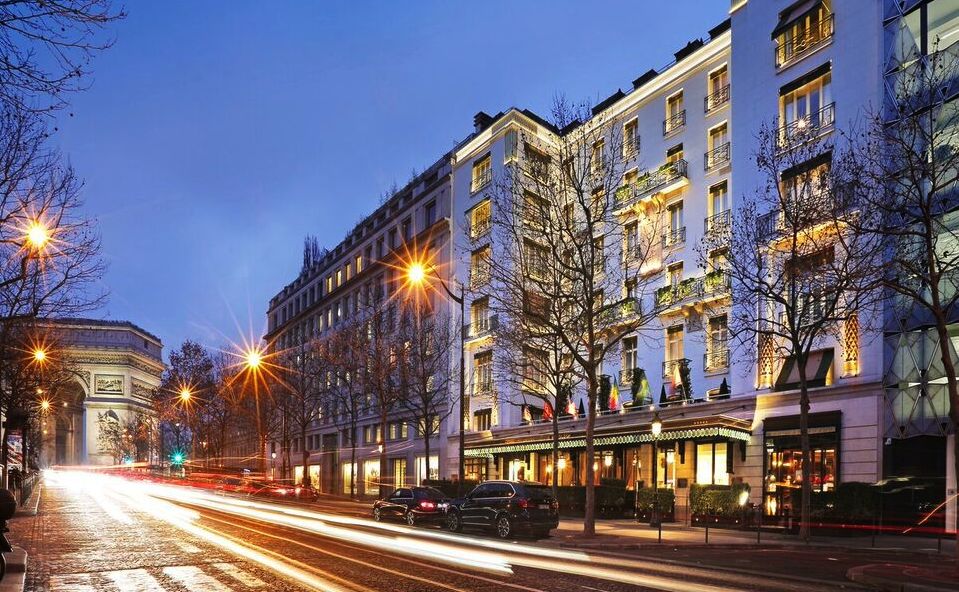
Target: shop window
x: 711, y: 459
x: 476, y: 469
x: 399, y: 472
x: 421, y: 468
x: 350, y: 476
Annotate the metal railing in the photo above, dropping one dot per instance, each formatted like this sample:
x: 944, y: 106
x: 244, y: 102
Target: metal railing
x: 806, y: 213
x: 818, y: 33
x: 807, y: 127
x: 716, y: 99
x: 674, y: 123
x: 671, y: 367
x: 716, y: 358
x: 674, y: 236
x: 676, y: 293
x: 716, y: 282
x: 662, y: 176
x: 719, y: 225
x: 631, y: 144
x: 717, y: 157
x: 481, y: 180
x: 479, y: 277
x: 480, y: 227
x: 626, y: 376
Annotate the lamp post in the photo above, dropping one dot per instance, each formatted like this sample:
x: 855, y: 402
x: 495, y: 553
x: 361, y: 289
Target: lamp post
x: 656, y: 427
x: 273, y: 466
x: 252, y: 361
x: 416, y: 274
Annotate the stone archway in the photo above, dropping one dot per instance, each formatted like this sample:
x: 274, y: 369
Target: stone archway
x: 64, y: 430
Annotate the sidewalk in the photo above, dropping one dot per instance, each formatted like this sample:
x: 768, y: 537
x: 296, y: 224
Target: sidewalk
x: 22, y: 530
x: 890, y: 563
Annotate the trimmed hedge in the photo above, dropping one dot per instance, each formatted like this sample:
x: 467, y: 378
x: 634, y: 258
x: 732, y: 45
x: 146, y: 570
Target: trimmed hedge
x: 609, y: 499
x: 647, y: 498
x: 717, y: 500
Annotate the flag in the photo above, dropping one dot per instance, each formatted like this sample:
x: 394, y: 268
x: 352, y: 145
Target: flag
x: 582, y: 408
x: 527, y: 416
x: 643, y: 388
x: 547, y: 411
x: 571, y: 407
x: 614, y: 396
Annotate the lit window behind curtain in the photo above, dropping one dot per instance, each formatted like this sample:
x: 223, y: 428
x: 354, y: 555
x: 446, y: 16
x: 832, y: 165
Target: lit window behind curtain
x: 711, y: 464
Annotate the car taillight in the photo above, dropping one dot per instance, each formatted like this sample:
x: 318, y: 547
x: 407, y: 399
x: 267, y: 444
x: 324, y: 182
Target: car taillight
x: 297, y: 491
x: 428, y: 505
x: 554, y: 505
x: 522, y: 503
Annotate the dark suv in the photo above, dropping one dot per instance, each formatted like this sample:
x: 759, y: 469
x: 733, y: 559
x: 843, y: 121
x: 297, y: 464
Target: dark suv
x: 508, y: 507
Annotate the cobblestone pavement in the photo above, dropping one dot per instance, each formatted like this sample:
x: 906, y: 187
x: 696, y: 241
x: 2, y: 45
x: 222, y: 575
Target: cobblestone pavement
x: 77, y: 543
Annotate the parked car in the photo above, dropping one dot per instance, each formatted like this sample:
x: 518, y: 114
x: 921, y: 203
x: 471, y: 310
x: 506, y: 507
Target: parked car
x: 509, y: 507
x: 412, y: 505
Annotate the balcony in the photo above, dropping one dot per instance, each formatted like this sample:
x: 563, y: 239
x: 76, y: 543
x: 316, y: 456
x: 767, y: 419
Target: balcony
x: 817, y: 35
x: 674, y: 123
x: 481, y: 179
x: 674, y: 237
x: 481, y: 227
x: 809, y: 212
x: 807, y: 127
x: 677, y: 293
x: 672, y: 368
x: 481, y: 326
x: 631, y: 146
x: 667, y: 177
x: 626, y: 376
x: 716, y: 158
x: 716, y: 100
x: 716, y: 283
x: 718, y: 227
x: 717, y: 358
x: 479, y: 278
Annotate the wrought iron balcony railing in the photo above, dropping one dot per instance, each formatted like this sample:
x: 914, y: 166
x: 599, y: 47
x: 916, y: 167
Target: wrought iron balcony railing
x: 791, y: 49
x: 480, y: 227
x: 650, y: 182
x: 716, y: 282
x: 718, y: 226
x: 807, y: 127
x: 717, y: 157
x: 808, y: 213
x: 716, y: 99
x: 672, y: 367
x: 717, y: 357
x: 626, y: 376
x: 674, y: 237
x: 481, y: 180
x: 631, y: 144
x: 676, y: 293
x: 674, y: 123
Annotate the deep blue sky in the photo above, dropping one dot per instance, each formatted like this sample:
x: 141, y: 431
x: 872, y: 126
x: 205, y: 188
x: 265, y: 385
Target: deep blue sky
x: 216, y: 135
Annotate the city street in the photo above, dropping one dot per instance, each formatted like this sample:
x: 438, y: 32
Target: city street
x: 115, y: 534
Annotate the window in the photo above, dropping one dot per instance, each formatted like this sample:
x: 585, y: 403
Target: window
x: 674, y: 343
x: 674, y: 154
x: 358, y: 263
x: 717, y: 344
x: 799, y: 34
x: 719, y: 198
x: 433, y: 422
x: 480, y: 266
x: 399, y: 472
x: 718, y: 89
x: 476, y: 468
x: 408, y: 230
x: 535, y: 211
x: 675, y: 114
x: 511, y: 144
x: 479, y: 313
x: 630, y: 138
x: 398, y: 430
x: 537, y: 163
x: 430, y: 214
x: 597, y: 160
x: 677, y: 227
x: 711, y: 463
x: 632, y: 241
x: 535, y: 377
x: 629, y: 359
x: 717, y: 154
x: 329, y: 284
x: 536, y: 259
x: 482, y: 173
x: 483, y: 370
x: 482, y: 420
x: 480, y: 219
x: 434, y: 468
x: 806, y: 108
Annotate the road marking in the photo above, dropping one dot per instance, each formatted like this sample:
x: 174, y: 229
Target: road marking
x: 187, y: 547
x: 135, y: 580
x: 245, y: 578
x: 194, y: 579
x: 72, y: 583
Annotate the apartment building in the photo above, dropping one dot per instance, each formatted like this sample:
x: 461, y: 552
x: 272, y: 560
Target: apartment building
x: 692, y: 126
x: 336, y: 289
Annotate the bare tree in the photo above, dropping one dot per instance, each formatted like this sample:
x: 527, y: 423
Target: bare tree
x: 800, y: 272
x: 302, y: 366
x: 907, y: 164
x: 342, y: 359
x: 555, y: 262
x: 46, y: 49
x: 425, y: 377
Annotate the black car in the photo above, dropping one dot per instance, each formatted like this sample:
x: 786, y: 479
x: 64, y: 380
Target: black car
x: 412, y: 505
x: 508, y: 507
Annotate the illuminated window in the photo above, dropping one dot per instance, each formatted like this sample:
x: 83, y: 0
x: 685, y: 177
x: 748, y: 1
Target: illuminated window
x: 482, y: 173
x: 711, y: 459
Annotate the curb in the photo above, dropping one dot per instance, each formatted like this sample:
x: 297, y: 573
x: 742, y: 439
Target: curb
x: 33, y: 504
x: 858, y: 574
x: 15, y: 578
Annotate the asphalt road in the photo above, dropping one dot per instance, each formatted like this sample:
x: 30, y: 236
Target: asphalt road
x: 104, y: 533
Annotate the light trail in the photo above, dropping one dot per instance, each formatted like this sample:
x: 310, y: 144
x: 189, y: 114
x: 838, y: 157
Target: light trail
x: 404, y: 544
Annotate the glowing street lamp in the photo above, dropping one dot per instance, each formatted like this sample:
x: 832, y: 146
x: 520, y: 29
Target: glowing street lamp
x: 37, y: 235
x: 39, y: 355
x: 45, y: 405
x: 253, y: 358
x: 185, y: 394
x: 416, y: 273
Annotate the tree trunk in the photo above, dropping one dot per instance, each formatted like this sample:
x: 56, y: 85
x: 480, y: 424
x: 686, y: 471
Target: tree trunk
x: 384, y: 482
x: 589, y: 518
x: 426, y: 450
x: 307, y: 482
x: 806, y: 452
x: 353, y: 465
x: 556, y: 455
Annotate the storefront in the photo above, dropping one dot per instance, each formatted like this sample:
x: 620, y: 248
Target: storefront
x: 782, y: 460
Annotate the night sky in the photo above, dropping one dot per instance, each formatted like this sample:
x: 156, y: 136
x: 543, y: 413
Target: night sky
x: 216, y: 135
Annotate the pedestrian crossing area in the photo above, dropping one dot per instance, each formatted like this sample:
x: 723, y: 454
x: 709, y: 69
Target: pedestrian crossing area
x: 207, y: 577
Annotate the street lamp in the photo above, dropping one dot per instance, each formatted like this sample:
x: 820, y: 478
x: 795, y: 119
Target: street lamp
x: 37, y: 235
x: 253, y: 358
x: 39, y: 355
x: 656, y: 427
x: 45, y: 405
x: 416, y: 275
x: 185, y: 394
x: 273, y: 467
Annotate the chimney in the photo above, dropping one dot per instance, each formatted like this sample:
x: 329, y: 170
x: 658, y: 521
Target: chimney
x: 481, y: 121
